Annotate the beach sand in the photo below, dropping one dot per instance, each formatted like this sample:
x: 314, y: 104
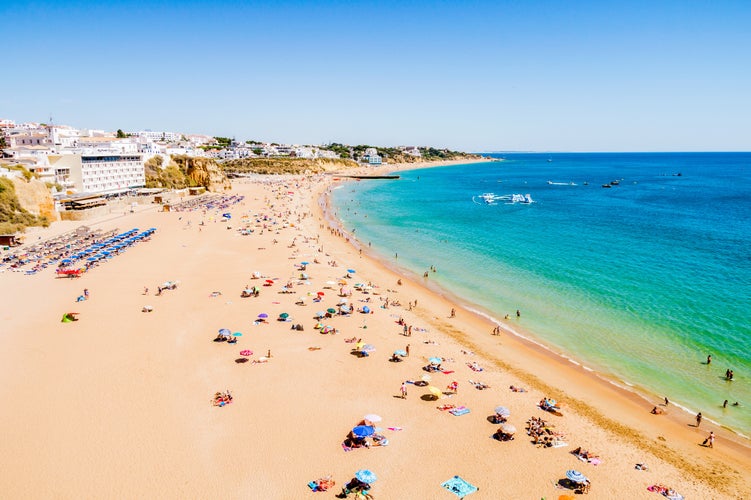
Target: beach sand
x: 118, y: 404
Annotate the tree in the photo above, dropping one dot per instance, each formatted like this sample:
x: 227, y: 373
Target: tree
x: 121, y: 134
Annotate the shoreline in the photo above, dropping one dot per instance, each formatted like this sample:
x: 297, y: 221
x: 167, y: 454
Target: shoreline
x: 571, y: 369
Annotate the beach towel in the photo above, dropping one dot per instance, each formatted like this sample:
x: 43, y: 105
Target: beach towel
x: 447, y: 372
x: 395, y: 428
x: 461, y: 410
x: 459, y: 487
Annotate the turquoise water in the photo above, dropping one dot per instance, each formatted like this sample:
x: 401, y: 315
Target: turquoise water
x: 639, y: 282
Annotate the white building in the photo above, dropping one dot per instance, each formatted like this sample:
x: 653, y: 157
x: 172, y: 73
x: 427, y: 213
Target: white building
x: 99, y: 172
x: 123, y: 146
x: 158, y: 136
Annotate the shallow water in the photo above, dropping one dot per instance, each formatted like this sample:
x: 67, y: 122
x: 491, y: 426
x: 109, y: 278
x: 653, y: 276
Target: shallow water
x: 640, y: 281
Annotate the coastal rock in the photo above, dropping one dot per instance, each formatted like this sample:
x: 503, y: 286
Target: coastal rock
x: 286, y: 165
x: 35, y: 197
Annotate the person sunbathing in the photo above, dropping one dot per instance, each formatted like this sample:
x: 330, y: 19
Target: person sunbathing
x: 584, y: 454
x: 220, y: 338
x: 517, y: 389
x: 232, y: 340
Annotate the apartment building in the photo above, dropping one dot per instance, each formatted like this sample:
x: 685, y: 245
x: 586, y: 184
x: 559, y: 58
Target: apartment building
x: 104, y: 173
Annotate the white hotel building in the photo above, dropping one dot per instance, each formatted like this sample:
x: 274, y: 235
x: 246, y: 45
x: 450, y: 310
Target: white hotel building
x: 104, y: 173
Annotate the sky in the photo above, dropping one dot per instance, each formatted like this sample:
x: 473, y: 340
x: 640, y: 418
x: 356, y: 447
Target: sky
x: 524, y: 75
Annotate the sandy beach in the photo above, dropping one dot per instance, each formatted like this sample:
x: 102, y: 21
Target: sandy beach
x: 120, y: 403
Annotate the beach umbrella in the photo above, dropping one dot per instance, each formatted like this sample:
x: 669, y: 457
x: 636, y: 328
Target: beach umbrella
x: 331, y: 310
x: 435, y: 361
x: 237, y: 334
x: 400, y: 352
x: 246, y: 352
x: 372, y: 417
x: 351, y: 271
x: 346, y: 309
x: 366, y: 310
x: 320, y: 314
x: 435, y: 391
x: 263, y: 315
x: 362, y: 431
x: 368, y: 348
x: 66, y: 261
x: 271, y: 282
x: 365, y: 476
x: 305, y: 263
x: 576, y: 476
x: 225, y: 332
x: 502, y: 411
x: 320, y: 294
x: 508, y: 429
x: 284, y: 315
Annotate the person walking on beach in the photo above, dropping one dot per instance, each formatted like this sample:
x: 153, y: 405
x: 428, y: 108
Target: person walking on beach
x: 403, y: 390
x: 406, y: 349
x: 709, y: 359
x: 698, y: 419
x: 453, y: 312
x: 709, y: 441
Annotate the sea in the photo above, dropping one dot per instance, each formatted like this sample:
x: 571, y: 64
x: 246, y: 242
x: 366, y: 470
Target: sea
x: 638, y: 282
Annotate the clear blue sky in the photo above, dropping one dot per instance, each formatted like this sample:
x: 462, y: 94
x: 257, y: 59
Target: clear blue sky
x: 666, y: 75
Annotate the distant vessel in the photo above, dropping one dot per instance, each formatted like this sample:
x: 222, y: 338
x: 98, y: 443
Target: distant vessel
x: 607, y: 186
x: 508, y: 199
x: 570, y: 183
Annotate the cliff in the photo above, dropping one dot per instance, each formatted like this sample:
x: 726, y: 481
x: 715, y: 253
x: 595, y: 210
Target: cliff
x: 286, y: 165
x: 25, y: 203
x: 186, y: 171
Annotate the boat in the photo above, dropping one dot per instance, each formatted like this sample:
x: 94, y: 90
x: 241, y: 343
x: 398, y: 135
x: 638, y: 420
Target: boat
x: 570, y: 183
x: 488, y: 197
x: 607, y: 186
x: 509, y: 199
x: 615, y: 182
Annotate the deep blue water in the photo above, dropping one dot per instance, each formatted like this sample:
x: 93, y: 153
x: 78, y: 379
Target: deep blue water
x: 640, y: 281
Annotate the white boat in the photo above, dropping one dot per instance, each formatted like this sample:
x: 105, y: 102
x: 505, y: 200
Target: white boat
x: 508, y: 199
x: 571, y: 183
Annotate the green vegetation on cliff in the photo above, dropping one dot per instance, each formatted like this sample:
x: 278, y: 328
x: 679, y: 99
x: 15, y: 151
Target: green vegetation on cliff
x: 284, y: 165
x: 396, y: 155
x: 13, y: 217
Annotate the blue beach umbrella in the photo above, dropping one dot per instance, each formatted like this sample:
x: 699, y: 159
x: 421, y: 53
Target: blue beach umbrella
x: 362, y: 431
x: 66, y: 261
x: 576, y: 476
x: 435, y: 361
x: 225, y: 332
x: 320, y: 314
x: 263, y: 315
x: 400, y: 352
x: 365, y: 476
x: 368, y: 348
x: 304, y: 263
x: 351, y: 271
x: 366, y: 310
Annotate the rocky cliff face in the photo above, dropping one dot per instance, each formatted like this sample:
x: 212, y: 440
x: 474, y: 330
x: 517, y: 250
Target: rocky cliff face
x: 287, y: 165
x: 35, y: 197
x: 203, y: 172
